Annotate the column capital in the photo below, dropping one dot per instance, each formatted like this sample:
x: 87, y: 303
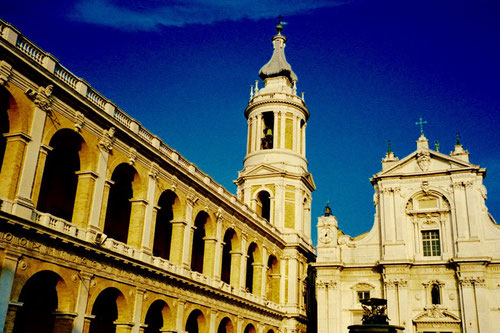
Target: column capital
x: 42, y: 97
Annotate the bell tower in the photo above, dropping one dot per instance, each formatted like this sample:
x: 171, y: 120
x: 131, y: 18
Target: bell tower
x: 274, y: 180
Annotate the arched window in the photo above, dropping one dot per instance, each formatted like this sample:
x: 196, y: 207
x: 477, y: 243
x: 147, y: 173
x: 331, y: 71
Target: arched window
x: 264, y: 205
x: 198, y: 252
x: 250, y: 261
x: 118, y: 211
x: 267, y: 133
x: 4, y: 123
x: 39, y: 299
x: 226, y: 256
x: 435, y: 294
x: 105, y: 310
x: 163, y: 226
x: 250, y: 329
x: 59, y: 181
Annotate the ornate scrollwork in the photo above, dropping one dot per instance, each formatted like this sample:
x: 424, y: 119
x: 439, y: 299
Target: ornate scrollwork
x: 5, y: 72
x: 107, y: 140
x: 132, y: 155
x: 79, y: 121
x: 42, y: 97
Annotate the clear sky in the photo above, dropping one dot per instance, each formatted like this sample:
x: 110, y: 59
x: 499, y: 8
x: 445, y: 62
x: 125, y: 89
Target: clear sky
x: 369, y: 70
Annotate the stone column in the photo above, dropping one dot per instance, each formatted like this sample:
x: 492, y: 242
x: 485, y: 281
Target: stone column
x: 333, y: 320
x: 179, y: 322
x: 275, y: 130
x: 137, y: 215
x: 81, y: 301
x: 86, y: 323
x: 283, y: 278
x: 7, y: 275
x: 104, y: 207
x: 254, y: 134
x: 304, y: 139
x: 234, y: 279
x: 11, y: 316
x: 213, y: 321
x: 244, y: 257
x: 249, y: 136
x: 292, y: 281
x: 148, y: 229
x: 258, y: 270
x: 63, y: 321
x: 218, y: 247
x: 282, y: 129
x: 483, y: 295
x: 101, y: 192
x: 321, y: 291
x: 14, y: 151
x: 123, y: 327
x: 461, y: 211
x: 263, y: 273
x: 209, y: 256
x: 43, y: 105
x: 391, y: 287
x: 473, y: 208
x: 188, y: 233
x: 40, y: 167
x: 259, y: 131
x: 294, y: 133
x: 83, y: 197
x: 176, y: 246
x: 139, y: 298
x: 404, y: 310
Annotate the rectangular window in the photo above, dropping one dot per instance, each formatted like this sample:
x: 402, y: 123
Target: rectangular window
x: 363, y: 295
x: 431, y: 243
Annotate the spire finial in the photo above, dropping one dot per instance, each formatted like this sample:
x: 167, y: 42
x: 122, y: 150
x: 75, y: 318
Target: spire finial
x: 328, y: 210
x: 389, y: 149
x: 436, y: 145
x: 280, y: 25
x: 421, y: 123
x: 457, y: 135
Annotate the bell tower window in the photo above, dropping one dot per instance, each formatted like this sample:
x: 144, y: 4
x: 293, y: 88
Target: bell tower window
x: 267, y: 135
x: 264, y: 205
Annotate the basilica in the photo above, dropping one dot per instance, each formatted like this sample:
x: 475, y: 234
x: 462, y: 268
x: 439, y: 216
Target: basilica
x: 106, y: 228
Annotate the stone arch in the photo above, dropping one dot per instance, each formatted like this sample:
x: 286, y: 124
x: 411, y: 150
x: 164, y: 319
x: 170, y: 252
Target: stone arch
x: 43, y: 293
x: 19, y: 108
x: 196, y: 322
x: 139, y: 186
x: 273, y: 279
x: 270, y: 331
x: 5, y: 105
x: 109, y: 308
x: 158, y: 317
x: 226, y: 326
x: 253, y: 268
x: 198, y: 244
x: 168, y: 207
x: 230, y: 241
x: 59, y: 181
x: 250, y: 328
x: 118, y: 210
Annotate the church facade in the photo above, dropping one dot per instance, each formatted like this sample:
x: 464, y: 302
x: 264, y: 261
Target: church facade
x: 433, y: 251
x: 105, y: 228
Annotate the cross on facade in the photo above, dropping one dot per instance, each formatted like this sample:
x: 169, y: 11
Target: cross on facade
x: 421, y: 123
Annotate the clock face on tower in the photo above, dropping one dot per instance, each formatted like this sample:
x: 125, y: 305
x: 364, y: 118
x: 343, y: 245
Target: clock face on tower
x: 325, y: 235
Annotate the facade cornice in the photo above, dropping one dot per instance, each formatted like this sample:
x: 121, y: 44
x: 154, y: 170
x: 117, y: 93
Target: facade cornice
x: 253, y: 105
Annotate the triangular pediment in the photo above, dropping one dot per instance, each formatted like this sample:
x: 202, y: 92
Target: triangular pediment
x: 262, y: 170
x: 436, y: 314
x: 425, y: 161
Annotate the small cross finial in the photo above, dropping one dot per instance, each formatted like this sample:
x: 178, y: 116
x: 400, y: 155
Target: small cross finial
x: 457, y: 135
x: 436, y: 145
x: 389, y: 149
x: 421, y: 123
x: 280, y: 25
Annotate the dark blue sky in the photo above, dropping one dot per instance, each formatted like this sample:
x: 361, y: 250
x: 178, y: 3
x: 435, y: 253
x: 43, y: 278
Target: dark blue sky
x: 369, y: 70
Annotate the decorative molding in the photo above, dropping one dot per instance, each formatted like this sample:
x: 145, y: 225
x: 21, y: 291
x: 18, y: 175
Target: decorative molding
x: 5, y: 72
x: 79, y: 121
x: 132, y: 155
x: 470, y: 281
x: 107, y: 140
x: 42, y: 97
